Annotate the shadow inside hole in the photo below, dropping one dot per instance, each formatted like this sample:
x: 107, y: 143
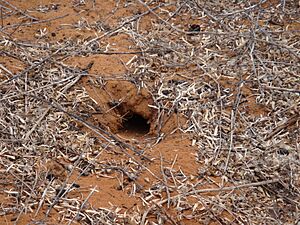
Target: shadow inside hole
x: 135, y: 124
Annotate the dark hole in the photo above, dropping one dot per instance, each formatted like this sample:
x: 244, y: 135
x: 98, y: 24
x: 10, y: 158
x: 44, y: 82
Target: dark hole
x: 60, y: 192
x: 194, y: 28
x: 50, y: 176
x: 135, y: 123
x: 76, y: 185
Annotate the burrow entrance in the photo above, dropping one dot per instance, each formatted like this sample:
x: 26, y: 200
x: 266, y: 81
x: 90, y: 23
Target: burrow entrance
x: 125, y: 108
x: 134, y: 123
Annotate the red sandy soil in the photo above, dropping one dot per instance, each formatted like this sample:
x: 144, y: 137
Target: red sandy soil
x: 175, y: 150
x: 174, y: 147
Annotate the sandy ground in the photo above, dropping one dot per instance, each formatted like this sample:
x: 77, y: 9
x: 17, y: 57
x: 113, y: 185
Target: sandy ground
x: 115, y: 97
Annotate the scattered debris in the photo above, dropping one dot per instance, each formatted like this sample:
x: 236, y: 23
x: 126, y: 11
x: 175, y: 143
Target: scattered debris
x: 149, y: 112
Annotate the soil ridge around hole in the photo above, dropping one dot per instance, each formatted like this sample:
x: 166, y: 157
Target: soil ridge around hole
x: 124, y: 106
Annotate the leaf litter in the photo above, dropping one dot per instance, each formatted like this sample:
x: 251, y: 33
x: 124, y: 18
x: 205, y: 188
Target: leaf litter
x: 221, y: 81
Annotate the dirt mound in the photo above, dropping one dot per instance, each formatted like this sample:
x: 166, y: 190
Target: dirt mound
x: 125, y: 108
